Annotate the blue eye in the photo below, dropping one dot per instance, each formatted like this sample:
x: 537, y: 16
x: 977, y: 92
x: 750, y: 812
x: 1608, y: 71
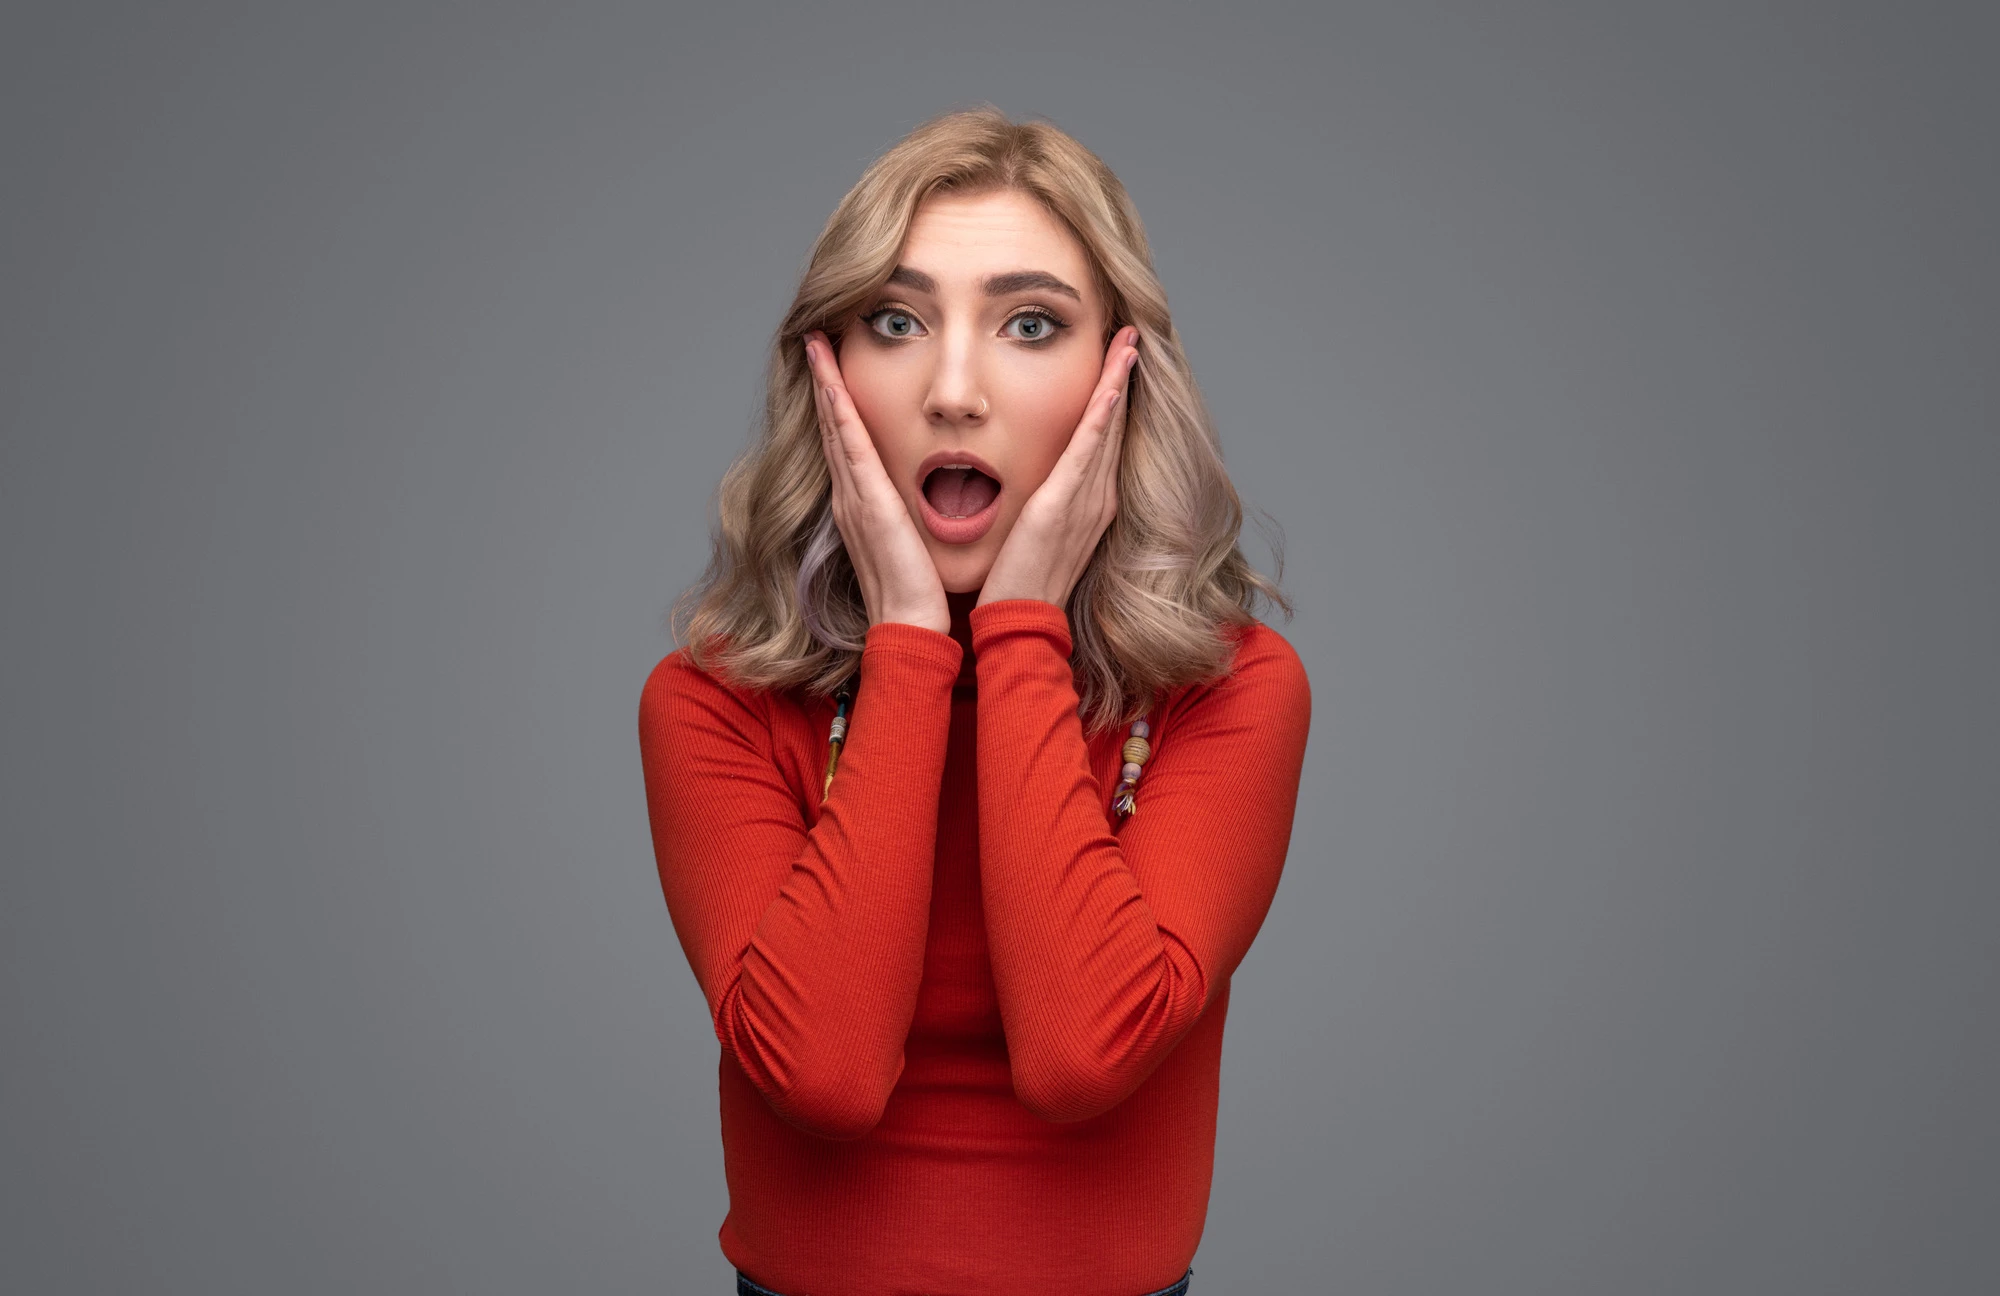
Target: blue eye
x: 1036, y: 326
x: 893, y: 322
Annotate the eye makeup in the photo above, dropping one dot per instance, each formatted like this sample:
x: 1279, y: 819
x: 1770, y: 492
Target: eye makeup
x: 1053, y: 324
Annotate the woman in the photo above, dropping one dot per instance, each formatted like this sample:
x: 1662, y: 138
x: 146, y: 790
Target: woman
x: 967, y: 943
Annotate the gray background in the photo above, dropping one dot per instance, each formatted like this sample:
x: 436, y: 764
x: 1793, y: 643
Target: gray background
x: 1623, y: 379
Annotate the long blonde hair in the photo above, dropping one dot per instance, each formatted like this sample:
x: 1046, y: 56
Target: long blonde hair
x: 1166, y: 590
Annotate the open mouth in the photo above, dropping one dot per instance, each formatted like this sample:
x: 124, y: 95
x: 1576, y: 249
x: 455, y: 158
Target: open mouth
x: 960, y: 491
x: 961, y: 497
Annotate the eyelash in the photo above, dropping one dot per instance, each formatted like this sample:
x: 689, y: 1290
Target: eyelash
x: 1056, y: 323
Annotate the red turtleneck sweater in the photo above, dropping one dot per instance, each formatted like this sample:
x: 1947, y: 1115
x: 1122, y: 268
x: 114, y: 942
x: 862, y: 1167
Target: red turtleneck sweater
x: 971, y: 1021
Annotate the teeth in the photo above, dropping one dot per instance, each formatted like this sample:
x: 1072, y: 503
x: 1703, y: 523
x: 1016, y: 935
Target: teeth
x: 964, y: 466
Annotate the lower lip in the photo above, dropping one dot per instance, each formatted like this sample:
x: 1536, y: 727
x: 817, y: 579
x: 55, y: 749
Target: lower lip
x: 962, y: 530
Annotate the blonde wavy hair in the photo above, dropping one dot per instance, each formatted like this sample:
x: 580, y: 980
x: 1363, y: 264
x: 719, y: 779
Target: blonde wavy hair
x: 1167, y: 589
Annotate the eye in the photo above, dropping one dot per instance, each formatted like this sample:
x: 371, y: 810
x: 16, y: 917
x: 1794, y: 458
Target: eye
x: 893, y: 322
x: 1036, y: 325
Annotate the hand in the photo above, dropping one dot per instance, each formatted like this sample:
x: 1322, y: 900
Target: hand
x: 1044, y: 555
x: 899, y: 582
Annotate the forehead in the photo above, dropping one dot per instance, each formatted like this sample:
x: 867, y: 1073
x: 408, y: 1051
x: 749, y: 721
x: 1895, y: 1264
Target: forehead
x: 954, y: 236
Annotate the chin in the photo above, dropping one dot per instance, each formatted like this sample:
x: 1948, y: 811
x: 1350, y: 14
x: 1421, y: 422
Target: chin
x: 962, y: 582
x: 962, y: 573
x: 963, y: 569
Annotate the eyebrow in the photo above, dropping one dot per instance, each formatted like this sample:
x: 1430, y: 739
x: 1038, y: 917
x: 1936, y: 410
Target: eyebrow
x: 999, y: 285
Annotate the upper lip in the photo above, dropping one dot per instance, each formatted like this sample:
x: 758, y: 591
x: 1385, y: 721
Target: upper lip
x: 939, y: 458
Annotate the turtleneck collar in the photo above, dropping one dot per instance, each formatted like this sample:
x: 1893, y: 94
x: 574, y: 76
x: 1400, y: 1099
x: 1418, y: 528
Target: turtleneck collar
x: 961, y: 606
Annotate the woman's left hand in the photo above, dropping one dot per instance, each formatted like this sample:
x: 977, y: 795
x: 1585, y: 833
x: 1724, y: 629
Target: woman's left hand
x: 1044, y: 555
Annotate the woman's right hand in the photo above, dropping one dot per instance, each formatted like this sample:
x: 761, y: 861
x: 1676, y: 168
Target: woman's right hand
x: 899, y: 582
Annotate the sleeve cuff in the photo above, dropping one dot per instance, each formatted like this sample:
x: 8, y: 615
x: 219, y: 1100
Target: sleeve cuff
x: 1021, y: 617
x: 906, y: 640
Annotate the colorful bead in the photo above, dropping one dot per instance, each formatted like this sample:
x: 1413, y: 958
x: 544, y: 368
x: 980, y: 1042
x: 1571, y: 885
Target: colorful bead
x: 1136, y: 752
x: 836, y: 736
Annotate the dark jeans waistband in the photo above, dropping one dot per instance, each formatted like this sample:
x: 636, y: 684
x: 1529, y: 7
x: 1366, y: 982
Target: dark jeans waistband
x: 744, y: 1287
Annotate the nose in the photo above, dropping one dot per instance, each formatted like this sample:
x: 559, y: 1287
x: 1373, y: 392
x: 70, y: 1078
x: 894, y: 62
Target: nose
x: 957, y: 394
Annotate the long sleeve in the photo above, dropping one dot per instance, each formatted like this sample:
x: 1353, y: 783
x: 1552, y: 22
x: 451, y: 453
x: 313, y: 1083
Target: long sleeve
x: 1106, y: 948
x: 808, y: 943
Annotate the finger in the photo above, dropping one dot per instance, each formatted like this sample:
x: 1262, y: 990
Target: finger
x: 1115, y: 377
x: 1102, y: 415
x: 1087, y: 442
x: 864, y: 466
x: 840, y: 419
x: 1117, y: 363
x: 831, y: 445
x: 859, y: 466
x: 820, y: 357
x: 1121, y: 419
x: 821, y: 410
x: 829, y: 435
x: 846, y: 492
x: 1098, y: 493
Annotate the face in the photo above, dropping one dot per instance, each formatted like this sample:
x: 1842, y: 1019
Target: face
x: 982, y: 350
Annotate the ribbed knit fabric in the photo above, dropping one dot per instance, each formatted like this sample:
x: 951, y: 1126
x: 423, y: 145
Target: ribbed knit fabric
x: 971, y: 1022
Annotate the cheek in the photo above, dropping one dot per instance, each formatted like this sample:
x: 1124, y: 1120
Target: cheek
x: 1043, y: 409
x: 888, y: 400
